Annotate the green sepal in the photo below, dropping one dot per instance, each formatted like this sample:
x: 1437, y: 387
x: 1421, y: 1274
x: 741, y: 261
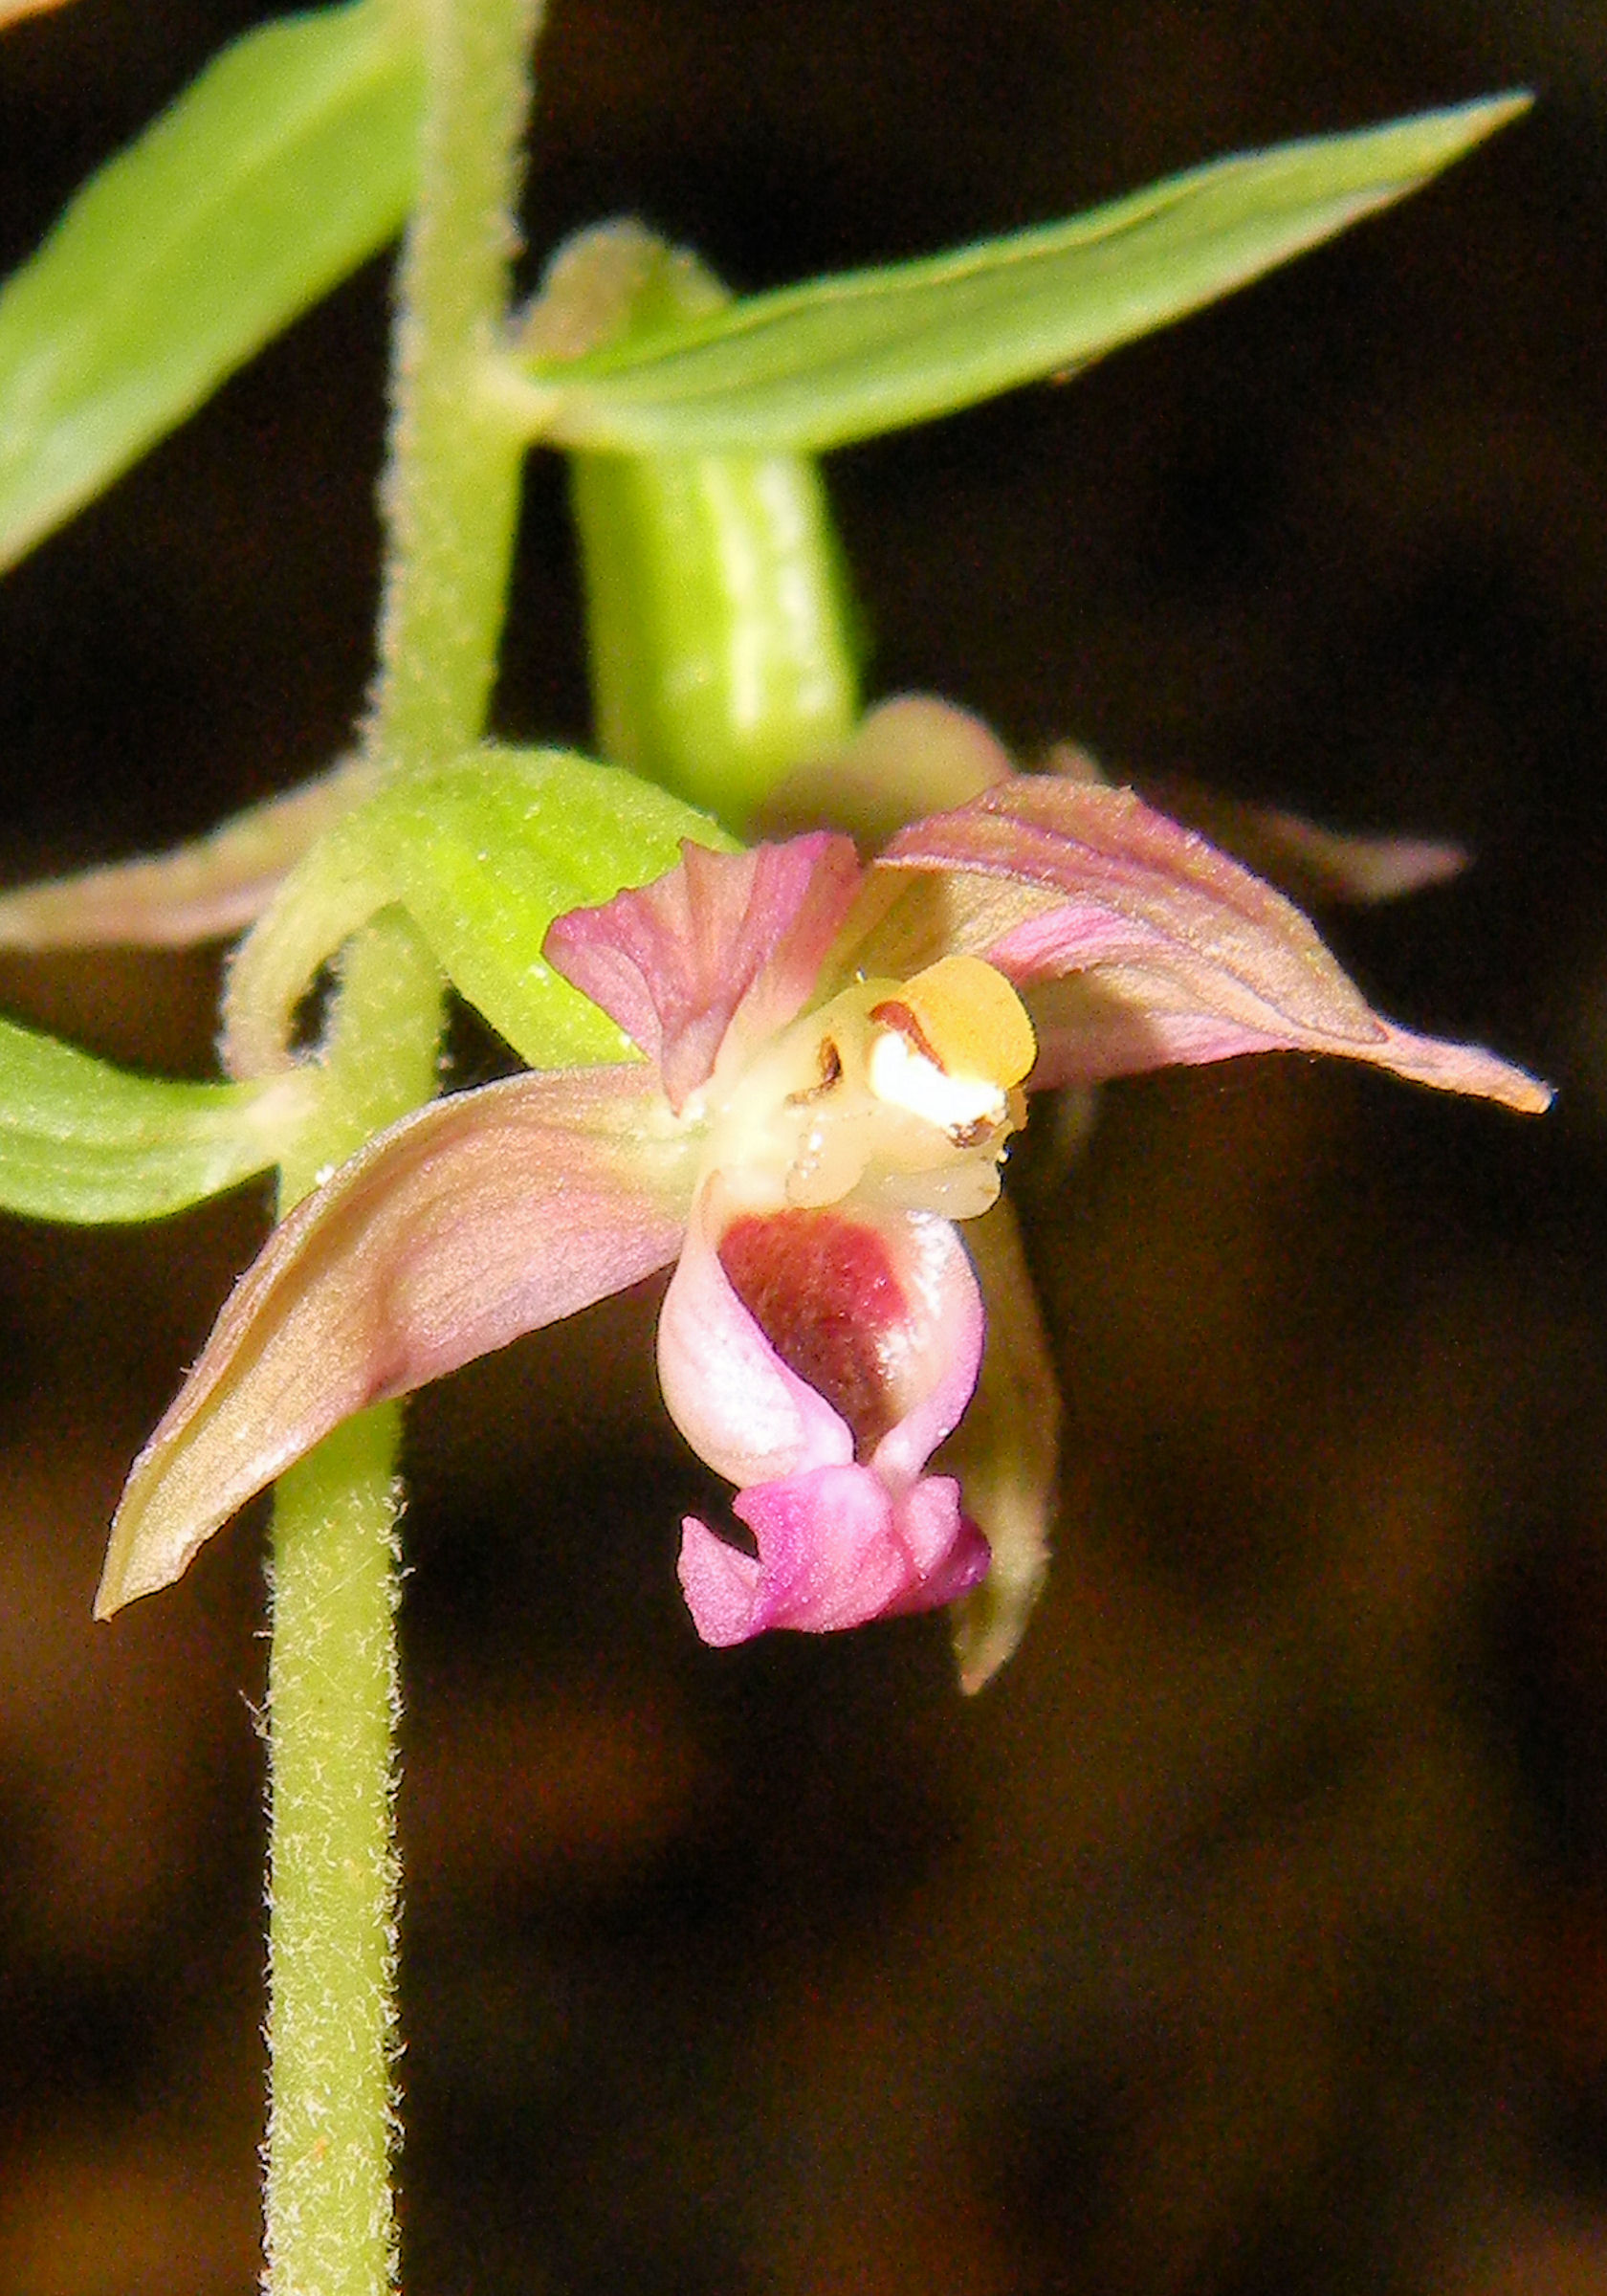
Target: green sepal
x: 848, y: 357
x: 482, y: 854
x: 286, y: 163
x: 85, y: 1141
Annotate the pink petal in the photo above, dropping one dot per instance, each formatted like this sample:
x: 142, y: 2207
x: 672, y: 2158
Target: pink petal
x: 675, y: 962
x: 480, y: 1217
x: 1160, y: 948
x: 835, y: 1550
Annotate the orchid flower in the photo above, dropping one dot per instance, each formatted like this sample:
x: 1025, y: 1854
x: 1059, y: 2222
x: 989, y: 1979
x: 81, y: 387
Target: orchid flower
x: 831, y: 1058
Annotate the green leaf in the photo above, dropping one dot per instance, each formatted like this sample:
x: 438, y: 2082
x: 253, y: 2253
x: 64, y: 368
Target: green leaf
x: 844, y: 357
x: 81, y: 1141
x: 482, y: 854
x: 288, y: 161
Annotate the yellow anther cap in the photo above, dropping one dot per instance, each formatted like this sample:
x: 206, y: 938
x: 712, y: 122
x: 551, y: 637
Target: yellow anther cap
x: 973, y: 1020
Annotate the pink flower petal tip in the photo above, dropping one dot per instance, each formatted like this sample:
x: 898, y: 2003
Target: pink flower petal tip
x: 835, y: 1550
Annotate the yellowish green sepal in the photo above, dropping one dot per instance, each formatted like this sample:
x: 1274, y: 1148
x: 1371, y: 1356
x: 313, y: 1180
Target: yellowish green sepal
x: 483, y: 854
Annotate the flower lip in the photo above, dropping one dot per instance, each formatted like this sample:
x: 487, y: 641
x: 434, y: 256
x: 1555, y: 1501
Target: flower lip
x: 799, y: 1338
x: 823, y: 1291
x: 817, y: 1356
x: 835, y: 1550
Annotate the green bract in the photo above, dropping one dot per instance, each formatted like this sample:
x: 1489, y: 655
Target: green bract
x: 844, y: 357
x: 81, y: 1141
x: 483, y: 854
x: 288, y: 161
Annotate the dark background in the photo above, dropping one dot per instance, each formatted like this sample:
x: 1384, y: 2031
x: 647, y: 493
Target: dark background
x: 1250, y: 1934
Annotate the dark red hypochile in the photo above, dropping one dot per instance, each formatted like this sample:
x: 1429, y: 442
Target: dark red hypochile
x: 825, y: 1293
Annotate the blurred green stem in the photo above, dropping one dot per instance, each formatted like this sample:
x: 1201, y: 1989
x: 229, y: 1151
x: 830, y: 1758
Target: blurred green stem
x: 450, y: 501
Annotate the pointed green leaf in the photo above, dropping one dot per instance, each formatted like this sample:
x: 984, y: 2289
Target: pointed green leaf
x: 288, y: 161
x: 81, y: 1141
x: 844, y: 357
x: 483, y: 853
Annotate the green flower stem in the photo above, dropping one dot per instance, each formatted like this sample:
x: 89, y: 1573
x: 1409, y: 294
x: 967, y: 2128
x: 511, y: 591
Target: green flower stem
x: 452, y: 487
x: 450, y: 502
x: 332, y: 1704
x: 332, y: 1931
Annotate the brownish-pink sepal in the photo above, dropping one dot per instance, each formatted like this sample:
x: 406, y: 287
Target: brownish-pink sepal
x: 1313, y: 865
x: 909, y: 757
x: 205, y: 891
x: 1137, y: 943
x: 1310, y: 864
x: 11, y: 12
x: 725, y: 942
x: 471, y: 1221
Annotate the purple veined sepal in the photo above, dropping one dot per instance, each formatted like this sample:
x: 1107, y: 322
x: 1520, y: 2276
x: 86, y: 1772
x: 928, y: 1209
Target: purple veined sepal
x: 816, y: 1359
x: 915, y: 756
x: 475, y: 1219
x: 1136, y: 945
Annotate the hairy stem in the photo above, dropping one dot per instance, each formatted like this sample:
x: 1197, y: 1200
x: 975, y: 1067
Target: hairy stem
x: 331, y: 1934
x: 451, y: 486
x: 451, y: 500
